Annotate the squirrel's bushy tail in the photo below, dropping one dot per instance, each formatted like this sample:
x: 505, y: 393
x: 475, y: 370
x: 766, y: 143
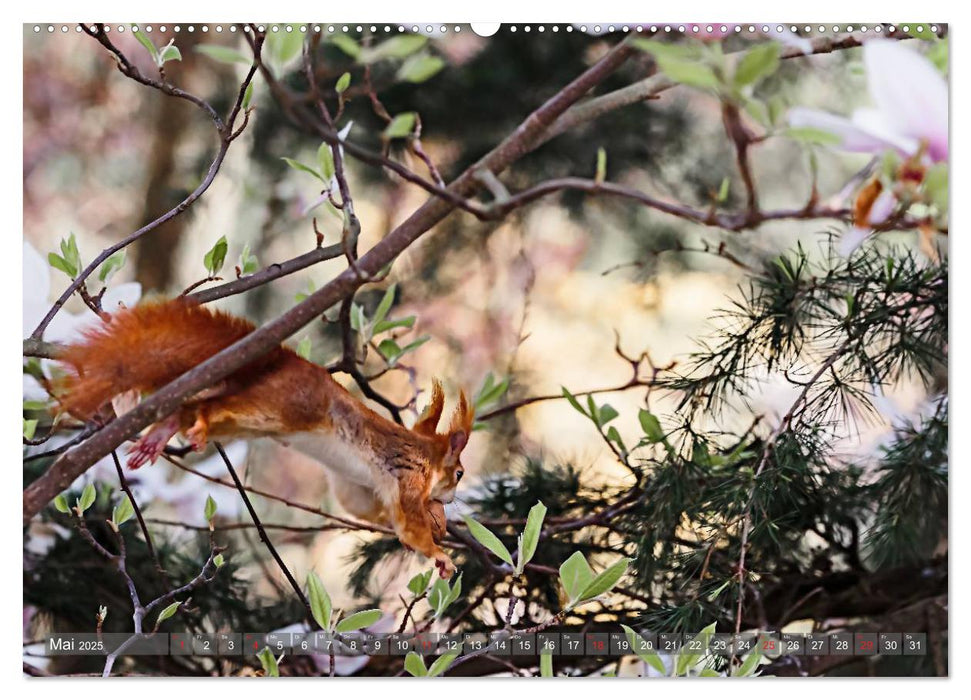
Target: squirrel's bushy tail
x: 142, y: 349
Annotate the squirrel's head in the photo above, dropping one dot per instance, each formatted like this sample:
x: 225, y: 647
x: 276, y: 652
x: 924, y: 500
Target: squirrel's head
x: 445, y: 467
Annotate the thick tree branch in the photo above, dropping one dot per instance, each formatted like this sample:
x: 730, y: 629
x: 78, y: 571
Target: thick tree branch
x: 75, y: 462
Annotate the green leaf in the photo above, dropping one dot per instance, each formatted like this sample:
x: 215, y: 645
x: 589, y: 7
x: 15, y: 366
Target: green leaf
x: 219, y: 560
x: 216, y: 257
x: 812, y: 136
x: 415, y: 344
x: 575, y: 576
x: 601, y: 173
x: 60, y: 502
x: 168, y: 612
x: 69, y: 261
x: 438, y: 596
x: 690, y: 72
x: 347, y: 44
x: 939, y: 55
x: 936, y: 186
x: 546, y: 665
x: 487, y: 539
x: 419, y: 68
x: 390, y: 350
x: 419, y: 582
x: 530, y: 538
x: 169, y: 53
x: 297, y: 165
x: 268, y: 662
x: 490, y: 392
x: 320, y: 605
x: 248, y: 95
x: 87, y: 498
x: 359, y: 620
x: 606, y: 413
x: 385, y: 304
x: 30, y: 427
x: 210, y: 509
x: 285, y: 46
x: 415, y: 665
x: 441, y: 664
x: 146, y: 42
x: 723, y: 190
x: 223, y: 54
x: 749, y: 665
x: 325, y: 161
x: 358, y: 320
x: 651, y: 426
x: 343, y: 83
x: 123, y: 512
x: 248, y: 264
x: 59, y: 263
x: 387, y: 325
x: 111, y: 265
x: 606, y: 579
x: 650, y: 658
x: 401, y: 126
x: 614, y: 436
x: 592, y: 407
x: 69, y: 249
x: 688, y: 661
x: 303, y: 348
x: 573, y: 402
x: 758, y: 63
x: 456, y: 590
x: 35, y: 405
x: 757, y: 110
x: 400, y: 46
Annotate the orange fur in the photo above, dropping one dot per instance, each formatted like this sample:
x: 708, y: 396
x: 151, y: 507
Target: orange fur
x: 390, y: 473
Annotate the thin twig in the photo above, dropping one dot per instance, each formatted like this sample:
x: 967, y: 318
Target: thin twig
x: 141, y: 519
x: 263, y: 536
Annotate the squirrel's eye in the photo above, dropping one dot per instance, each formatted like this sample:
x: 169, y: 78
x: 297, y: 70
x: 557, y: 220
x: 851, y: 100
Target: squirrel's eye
x: 458, y: 474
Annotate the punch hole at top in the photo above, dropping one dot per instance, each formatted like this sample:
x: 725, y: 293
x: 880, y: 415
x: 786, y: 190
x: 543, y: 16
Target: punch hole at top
x: 485, y: 28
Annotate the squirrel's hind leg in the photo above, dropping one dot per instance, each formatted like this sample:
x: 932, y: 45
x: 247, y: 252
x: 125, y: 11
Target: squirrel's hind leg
x: 150, y: 445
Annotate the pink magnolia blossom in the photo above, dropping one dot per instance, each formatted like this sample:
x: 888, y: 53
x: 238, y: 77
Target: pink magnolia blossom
x: 910, y: 103
x: 909, y: 116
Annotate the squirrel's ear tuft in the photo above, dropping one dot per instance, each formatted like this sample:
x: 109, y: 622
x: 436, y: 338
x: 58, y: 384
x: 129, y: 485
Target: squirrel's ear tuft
x: 460, y: 429
x: 463, y: 417
x: 428, y: 422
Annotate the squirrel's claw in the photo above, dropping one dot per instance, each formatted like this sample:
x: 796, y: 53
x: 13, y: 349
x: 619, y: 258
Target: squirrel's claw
x: 150, y: 445
x: 446, y: 569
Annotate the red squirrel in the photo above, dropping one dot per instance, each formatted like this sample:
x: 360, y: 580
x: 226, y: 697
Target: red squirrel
x: 387, y: 474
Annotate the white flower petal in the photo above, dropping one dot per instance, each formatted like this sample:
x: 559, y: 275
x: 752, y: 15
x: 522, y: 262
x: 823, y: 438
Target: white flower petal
x: 68, y: 328
x: 126, y: 295
x: 910, y: 92
x: 882, y: 208
x: 874, y: 122
x: 36, y: 287
x: 33, y: 391
x: 851, y: 240
x: 852, y: 136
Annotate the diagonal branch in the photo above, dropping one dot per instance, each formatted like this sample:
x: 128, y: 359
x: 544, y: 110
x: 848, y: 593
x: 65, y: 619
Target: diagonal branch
x: 75, y: 462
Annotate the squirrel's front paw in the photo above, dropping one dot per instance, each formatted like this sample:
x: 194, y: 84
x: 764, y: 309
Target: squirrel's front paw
x: 446, y: 569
